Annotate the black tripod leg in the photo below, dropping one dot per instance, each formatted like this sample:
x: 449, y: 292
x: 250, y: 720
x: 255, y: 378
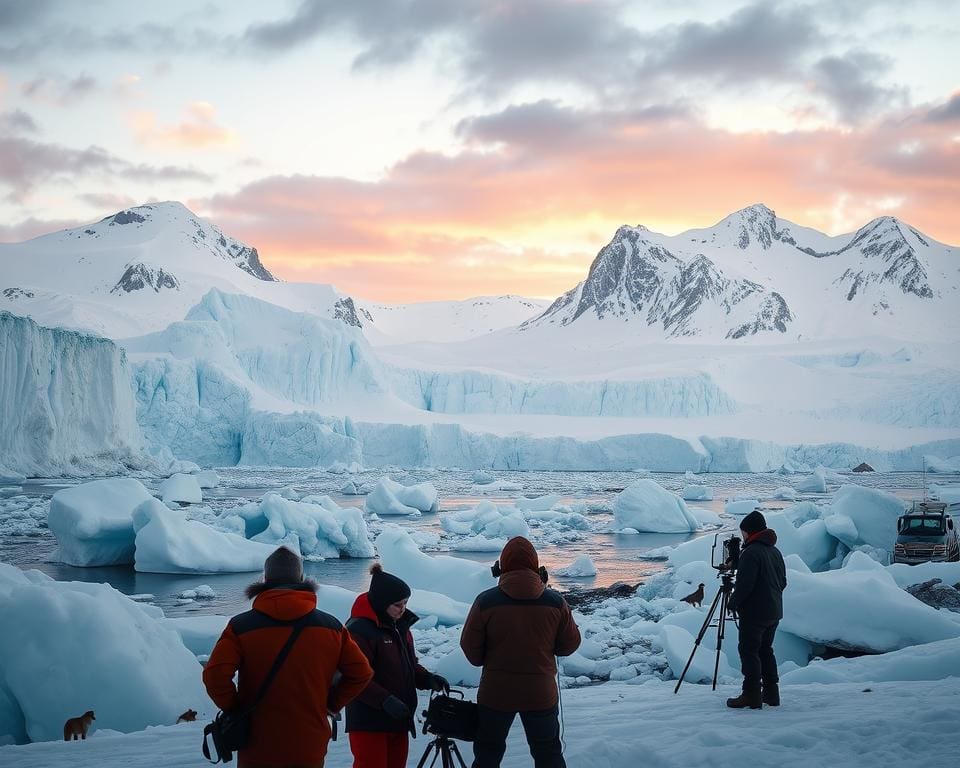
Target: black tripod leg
x: 700, y: 634
x: 721, y: 633
x: 456, y: 751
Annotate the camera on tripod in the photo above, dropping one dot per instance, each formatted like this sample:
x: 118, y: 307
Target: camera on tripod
x: 448, y: 716
x: 730, y: 554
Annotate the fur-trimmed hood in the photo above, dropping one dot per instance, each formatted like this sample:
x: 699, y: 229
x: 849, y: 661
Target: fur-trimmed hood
x: 259, y: 587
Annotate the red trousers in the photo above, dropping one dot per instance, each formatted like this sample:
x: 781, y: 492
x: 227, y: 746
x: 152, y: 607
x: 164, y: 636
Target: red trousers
x: 374, y: 749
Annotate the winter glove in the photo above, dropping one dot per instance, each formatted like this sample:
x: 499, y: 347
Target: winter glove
x: 439, y: 683
x: 396, y: 708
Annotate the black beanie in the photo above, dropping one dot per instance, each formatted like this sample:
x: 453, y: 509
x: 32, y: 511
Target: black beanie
x: 753, y: 523
x: 385, y: 589
x: 283, y: 566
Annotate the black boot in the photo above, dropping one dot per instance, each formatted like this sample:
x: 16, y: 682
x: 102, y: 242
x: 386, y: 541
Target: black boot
x: 771, y: 694
x: 751, y: 699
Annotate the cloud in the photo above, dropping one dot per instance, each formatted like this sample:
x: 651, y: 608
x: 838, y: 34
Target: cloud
x: 108, y: 201
x: 33, y: 227
x: 17, y: 121
x: 25, y: 163
x: 198, y: 129
x: 850, y: 83
x: 61, y: 90
x: 474, y: 222
x: 947, y: 112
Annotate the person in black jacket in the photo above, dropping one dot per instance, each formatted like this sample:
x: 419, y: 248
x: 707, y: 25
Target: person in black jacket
x: 758, y: 599
x: 380, y: 718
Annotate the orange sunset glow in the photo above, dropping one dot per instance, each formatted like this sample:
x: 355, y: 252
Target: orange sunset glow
x: 486, y: 163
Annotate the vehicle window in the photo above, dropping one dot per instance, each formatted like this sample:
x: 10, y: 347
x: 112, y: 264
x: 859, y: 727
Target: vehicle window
x: 922, y: 525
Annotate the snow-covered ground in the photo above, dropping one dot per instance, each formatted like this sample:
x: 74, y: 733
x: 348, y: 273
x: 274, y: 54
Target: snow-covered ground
x: 621, y: 726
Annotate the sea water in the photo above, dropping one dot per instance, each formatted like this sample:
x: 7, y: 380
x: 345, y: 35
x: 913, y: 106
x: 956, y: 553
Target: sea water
x: 617, y: 557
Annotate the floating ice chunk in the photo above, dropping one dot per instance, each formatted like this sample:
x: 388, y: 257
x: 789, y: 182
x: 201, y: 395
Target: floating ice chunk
x: 460, y: 579
x: 319, y: 524
x: 861, y: 608
x: 873, y: 515
x: 93, y: 522
x: 289, y: 492
x: 181, y: 488
x: 697, y: 493
x: 350, y: 489
x: 481, y: 477
x: 67, y: 647
x: 448, y: 612
x: 203, y: 592
x: 741, y: 507
x: 706, y: 517
x: 478, y: 544
x: 207, y: 479
x: 582, y: 566
x: 166, y: 542
x: 538, y: 504
x: 392, y: 498
x: 785, y: 493
x: 815, y: 483
x: 648, y: 507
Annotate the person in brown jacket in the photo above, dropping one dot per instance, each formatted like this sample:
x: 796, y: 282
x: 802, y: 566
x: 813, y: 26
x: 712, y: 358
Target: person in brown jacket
x: 515, y: 631
x: 289, y: 727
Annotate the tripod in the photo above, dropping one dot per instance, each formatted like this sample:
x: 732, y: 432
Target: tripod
x: 444, y: 748
x: 722, y: 598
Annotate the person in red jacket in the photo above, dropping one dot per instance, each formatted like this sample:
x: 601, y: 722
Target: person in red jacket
x: 380, y: 718
x: 289, y: 727
x: 515, y: 631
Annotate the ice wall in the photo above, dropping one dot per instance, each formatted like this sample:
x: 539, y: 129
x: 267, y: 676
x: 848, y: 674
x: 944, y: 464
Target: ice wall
x: 300, y: 439
x: 470, y: 391
x: 66, y: 407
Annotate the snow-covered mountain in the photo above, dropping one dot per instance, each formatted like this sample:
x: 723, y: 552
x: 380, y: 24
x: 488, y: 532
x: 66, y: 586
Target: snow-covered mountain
x: 754, y: 275
x: 138, y: 270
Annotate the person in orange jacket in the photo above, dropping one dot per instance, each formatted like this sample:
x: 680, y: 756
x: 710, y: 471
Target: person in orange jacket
x: 289, y: 727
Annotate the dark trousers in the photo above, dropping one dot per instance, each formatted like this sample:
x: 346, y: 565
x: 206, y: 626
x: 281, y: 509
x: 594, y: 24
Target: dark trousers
x: 757, y: 661
x: 543, y: 736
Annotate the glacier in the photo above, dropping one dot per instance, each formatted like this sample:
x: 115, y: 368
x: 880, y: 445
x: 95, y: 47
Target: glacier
x: 65, y: 403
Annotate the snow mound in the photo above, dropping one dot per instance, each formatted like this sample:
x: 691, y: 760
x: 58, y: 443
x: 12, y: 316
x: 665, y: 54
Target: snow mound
x: 181, y: 488
x: 93, y: 522
x: 460, y: 579
x: 166, y: 542
x: 646, y: 506
x: 67, y: 647
x: 932, y: 661
x: 391, y: 498
x: 322, y: 528
x: 860, y: 607
x: 582, y: 566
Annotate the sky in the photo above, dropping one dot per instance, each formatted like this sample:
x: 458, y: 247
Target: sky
x: 409, y: 150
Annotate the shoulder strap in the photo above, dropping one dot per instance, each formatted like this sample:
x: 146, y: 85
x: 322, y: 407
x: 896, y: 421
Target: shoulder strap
x: 281, y: 657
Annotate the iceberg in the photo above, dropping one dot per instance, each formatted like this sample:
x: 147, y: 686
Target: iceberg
x: 322, y: 528
x: 865, y: 516
x: 67, y: 647
x: 93, y: 522
x: 460, y: 579
x: 166, y: 542
x: 301, y: 439
x: 693, y: 492
x: 181, y: 488
x: 646, y: 506
x: 391, y: 498
x: 581, y: 567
